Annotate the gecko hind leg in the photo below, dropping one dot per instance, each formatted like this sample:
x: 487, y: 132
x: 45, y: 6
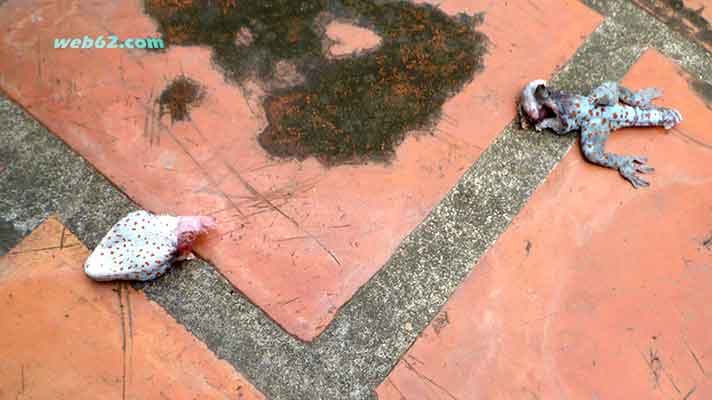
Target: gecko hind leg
x: 643, y: 98
x: 606, y: 94
x: 593, y: 140
x: 610, y: 93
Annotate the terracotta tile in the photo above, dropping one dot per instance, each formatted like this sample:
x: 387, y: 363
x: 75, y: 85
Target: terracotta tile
x: 597, y: 290
x: 101, y: 102
x: 67, y: 337
x: 349, y: 39
x: 702, y: 7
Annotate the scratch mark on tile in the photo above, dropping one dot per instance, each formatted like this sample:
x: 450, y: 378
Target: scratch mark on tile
x: 118, y: 291
x: 694, y: 357
x: 429, y: 380
x: 402, y: 396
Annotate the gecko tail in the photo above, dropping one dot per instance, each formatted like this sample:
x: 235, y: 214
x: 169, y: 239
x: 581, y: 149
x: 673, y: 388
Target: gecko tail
x: 659, y: 116
x: 665, y: 117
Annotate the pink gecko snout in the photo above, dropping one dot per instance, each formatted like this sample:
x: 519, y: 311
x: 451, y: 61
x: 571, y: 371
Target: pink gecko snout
x: 533, y: 110
x: 189, y: 228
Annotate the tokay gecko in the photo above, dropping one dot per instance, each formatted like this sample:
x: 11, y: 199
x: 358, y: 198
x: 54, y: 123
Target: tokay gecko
x: 609, y: 107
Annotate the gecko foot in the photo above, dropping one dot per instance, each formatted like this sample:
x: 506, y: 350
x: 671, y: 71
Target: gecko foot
x: 645, y: 97
x: 671, y: 118
x: 632, y: 164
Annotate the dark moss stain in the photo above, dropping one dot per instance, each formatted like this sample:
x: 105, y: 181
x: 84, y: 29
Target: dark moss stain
x: 704, y: 90
x: 350, y: 109
x: 179, y: 97
x: 680, y: 17
x: 9, y: 236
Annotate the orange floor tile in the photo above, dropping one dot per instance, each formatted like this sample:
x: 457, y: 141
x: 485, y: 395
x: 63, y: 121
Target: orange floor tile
x: 67, y: 337
x: 703, y: 6
x: 597, y: 290
x: 350, y: 218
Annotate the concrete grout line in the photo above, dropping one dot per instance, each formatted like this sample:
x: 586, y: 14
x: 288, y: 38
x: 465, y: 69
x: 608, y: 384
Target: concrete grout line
x: 43, y: 176
x: 372, y: 331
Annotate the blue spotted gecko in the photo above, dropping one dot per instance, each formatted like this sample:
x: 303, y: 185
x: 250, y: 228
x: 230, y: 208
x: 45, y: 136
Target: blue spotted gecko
x: 609, y: 107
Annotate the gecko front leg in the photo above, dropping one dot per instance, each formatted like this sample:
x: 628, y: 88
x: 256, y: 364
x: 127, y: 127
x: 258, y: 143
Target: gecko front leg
x: 551, y: 123
x: 593, y: 141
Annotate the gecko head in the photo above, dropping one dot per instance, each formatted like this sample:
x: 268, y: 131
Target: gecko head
x: 533, y: 102
x: 189, y: 228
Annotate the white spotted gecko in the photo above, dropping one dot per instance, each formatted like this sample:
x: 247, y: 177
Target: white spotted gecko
x: 142, y: 246
x: 609, y: 107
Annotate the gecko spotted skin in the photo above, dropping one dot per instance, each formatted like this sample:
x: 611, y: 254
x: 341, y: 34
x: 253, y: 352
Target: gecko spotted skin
x: 609, y: 107
x: 142, y: 246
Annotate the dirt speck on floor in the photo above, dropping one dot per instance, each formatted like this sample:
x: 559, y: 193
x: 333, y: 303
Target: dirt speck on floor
x: 441, y: 321
x: 707, y: 242
x: 179, y: 97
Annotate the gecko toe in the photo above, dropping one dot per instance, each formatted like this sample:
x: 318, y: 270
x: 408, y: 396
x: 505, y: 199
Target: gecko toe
x: 633, y: 164
x: 650, y: 93
x: 644, y: 169
x: 638, y: 182
x: 646, y: 97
